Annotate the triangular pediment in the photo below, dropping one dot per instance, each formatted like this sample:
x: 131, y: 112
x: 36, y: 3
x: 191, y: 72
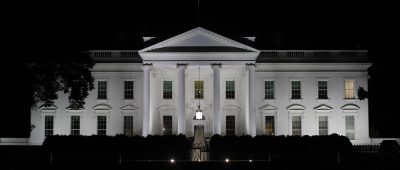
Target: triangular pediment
x: 198, y: 44
x: 129, y: 107
x: 323, y: 107
x: 268, y: 107
x: 48, y: 107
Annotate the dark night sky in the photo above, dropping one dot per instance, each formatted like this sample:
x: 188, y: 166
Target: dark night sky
x: 277, y: 26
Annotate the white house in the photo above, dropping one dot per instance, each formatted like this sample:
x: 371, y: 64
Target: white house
x: 240, y: 90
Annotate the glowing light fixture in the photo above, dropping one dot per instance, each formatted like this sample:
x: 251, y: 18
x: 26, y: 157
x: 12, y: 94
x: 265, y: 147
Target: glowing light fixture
x: 226, y: 160
x: 172, y: 161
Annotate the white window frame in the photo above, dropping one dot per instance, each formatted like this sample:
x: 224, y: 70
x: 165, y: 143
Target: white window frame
x: 97, y: 90
x: 301, y: 90
x: 48, y: 111
x: 79, y: 113
x: 301, y: 124
x: 204, y: 88
x: 354, y: 90
x: 106, y: 113
x: 130, y: 111
x: 275, y: 122
x: 230, y: 112
x: 162, y: 89
x: 264, y: 92
x: 134, y: 89
x: 133, y: 123
x: 327, y: 89
x: 235, y: 90
x: 318, y: 118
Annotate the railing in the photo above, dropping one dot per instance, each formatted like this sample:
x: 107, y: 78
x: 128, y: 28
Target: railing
x: 113, y: 53
x: 366, y: 148
x: 313, y: 53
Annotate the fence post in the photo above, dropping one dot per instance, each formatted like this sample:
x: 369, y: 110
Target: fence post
x: 51, y: 157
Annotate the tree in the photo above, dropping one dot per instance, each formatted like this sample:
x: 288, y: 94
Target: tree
x: 69, y: 72
x: 362, y: 94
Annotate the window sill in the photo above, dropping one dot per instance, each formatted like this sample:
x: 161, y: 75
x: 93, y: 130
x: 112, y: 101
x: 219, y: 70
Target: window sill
x: 352, y: 99
x: 270, y: 100
x: 103, y: 100
x: 323, y: 100
x: 296, y: 100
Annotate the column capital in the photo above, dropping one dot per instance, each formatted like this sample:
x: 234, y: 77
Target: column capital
x: 216, y: 65
x: 147, y: 65
x: 250, y: 66
x: 182, y: 65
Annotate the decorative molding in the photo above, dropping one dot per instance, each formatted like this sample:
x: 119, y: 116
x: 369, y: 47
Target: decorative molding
x: 102, y: 106
x: 350, y: 108
x: 296, y: 107
x: 268, y: 107
x: 323, y: 108
x: 231, y: 107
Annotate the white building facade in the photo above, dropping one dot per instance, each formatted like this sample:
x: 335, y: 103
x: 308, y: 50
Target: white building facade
x: 241, y: 91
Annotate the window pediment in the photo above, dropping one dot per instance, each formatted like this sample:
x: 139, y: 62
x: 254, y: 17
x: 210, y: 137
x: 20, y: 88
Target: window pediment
x: 268, y: 107
x: 102, y: 107
x: 294, y: 107
x: 323, y: 108
x: 129, y: 107
x: 350, y: 108
x: 231, y: 107
x: 48, y: 108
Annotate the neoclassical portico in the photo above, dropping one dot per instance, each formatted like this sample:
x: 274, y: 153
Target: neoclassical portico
x: 199, y: 48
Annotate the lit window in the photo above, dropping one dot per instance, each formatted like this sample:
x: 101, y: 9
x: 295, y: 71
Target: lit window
x: 48, y: 125
x: 269, y: 125
x: 296, y: 125
x: 198, y: 89
x: 296, y: 90
x: 350, y: 127
x: 323, y: 125
x: 230, y: 125
x: 102, y: 90
x: 101, y: 125
x: 167, y: 125
x: 167, y: 89
x: 349, y: 89
x: 269, y: 90
x: 128, y: 125
x: 75, y: 125
x: 322, y: 90
x: 128, y: 90
x: 230, y: 89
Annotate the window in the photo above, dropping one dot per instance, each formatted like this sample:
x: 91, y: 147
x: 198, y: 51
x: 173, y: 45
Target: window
x: 128, y: 125
x: 128, y: 90
x: 349, y: 89
x: 350, y: 127
x: 323, y: 125
x: 102, y: 90
x: 269, y: 125
x: 48, y: 125
x: 322, y: 90
x: 167, y: 89
x: 296, y: 125
x: 230, y: 125
x: 296, y: 89
x: 75, y: 125
x: 198, y: 89
x: 230, y: 89
x: 101, y: 125
x: 167, y: 125
x: 269, y: 90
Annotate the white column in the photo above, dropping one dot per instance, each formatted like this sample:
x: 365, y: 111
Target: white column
x: 146, y: 99
x: 181, y: 99
x: 252, y: 112
x: 216, y: 99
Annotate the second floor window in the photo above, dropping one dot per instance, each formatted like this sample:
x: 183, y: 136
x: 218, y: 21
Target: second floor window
x: 269, y: 90
x: 198, y: 89
x: 167, y: 89
x: 230, y: 90
x: 296, y: 89
x: 349, y: 89
x: 102, y: 90
x: 128, y: 90
x: 322, y: 90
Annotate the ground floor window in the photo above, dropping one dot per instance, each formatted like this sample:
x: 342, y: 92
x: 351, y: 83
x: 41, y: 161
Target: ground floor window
x: 75, y: 125
x: 323, y: 125
x: 48, y: 125
x: 128, y: 125
x: 269, y: 125
x: 101, y: 125
x: 296, y: 125
x: 230, y: 125
x: 350, y: 127
x: 167, y: 125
